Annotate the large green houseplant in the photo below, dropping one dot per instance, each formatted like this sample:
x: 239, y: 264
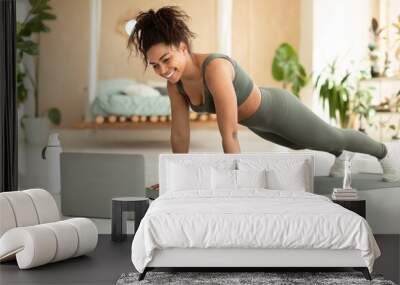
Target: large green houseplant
x: 287, y: 68
x: 33, y: 24
x: 335, y: 91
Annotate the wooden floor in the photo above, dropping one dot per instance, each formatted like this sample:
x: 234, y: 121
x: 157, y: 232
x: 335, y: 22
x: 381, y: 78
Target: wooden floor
x: 111, y: 259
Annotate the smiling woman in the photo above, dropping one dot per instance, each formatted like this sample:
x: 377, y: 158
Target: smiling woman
x: 216, y: 83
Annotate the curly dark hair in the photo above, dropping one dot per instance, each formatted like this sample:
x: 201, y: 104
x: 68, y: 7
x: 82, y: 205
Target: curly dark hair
x: 167, y: 25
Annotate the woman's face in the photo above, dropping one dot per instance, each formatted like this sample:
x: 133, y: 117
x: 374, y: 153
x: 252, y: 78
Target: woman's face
x: 167, y: 61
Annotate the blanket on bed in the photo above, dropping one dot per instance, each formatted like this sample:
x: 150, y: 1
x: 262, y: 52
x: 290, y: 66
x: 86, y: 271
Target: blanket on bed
x: 252, y: 218
x: 124, y: 97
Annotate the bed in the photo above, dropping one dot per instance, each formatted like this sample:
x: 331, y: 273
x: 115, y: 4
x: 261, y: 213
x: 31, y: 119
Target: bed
x: 247, y: 210
x: 126, y: 97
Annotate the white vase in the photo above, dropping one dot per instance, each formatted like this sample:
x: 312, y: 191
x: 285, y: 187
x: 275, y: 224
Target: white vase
x: 37, y: 130
x: 51, y: 153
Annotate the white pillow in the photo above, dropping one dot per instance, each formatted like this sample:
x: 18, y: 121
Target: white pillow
x: 251, y: 178
x: 293, y: 179
x: 229, y: 179
x: 223, y: 179
x: 282, y: 174
x: 141, y: 90
x: 182, y: 177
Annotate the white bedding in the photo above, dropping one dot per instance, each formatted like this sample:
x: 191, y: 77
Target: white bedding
x: 251, y: 218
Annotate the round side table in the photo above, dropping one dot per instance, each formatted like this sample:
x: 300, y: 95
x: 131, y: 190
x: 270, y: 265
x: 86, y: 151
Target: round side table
x: 120, y: 207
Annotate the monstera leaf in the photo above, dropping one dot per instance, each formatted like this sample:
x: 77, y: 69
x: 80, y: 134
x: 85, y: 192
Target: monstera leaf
x: 286, y: 68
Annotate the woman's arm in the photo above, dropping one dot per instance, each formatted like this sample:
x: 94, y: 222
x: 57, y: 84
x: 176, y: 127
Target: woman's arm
x: 219, y: 75
x: 180, y: 131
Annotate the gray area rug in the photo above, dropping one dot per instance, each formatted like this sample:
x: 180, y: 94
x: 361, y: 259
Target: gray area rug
x: 231, y: 278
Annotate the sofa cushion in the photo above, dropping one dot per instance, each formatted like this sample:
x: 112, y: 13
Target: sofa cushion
x: 27, y: 208
x: 7, y: 216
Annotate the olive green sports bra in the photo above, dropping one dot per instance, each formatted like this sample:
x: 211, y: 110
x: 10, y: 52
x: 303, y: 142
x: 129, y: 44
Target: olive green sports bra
x: 242, y: 83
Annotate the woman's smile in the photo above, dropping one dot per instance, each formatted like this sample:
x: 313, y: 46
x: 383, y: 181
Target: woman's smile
x: 169, y: 74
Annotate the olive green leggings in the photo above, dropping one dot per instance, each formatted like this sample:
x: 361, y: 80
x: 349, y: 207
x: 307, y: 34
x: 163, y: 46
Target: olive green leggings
x: 284, y: 120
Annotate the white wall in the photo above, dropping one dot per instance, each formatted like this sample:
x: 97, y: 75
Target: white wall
x: 392, y: 12
x: 334, y: 29
x: 306, y: 47
x: 225, y: 26
x: 341, y: 29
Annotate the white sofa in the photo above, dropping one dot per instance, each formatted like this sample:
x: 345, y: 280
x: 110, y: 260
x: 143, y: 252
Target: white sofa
x: 31, y: 231
x: 382, y: 198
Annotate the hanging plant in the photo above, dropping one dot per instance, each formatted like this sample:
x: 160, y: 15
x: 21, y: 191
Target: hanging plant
x: 286, y: 68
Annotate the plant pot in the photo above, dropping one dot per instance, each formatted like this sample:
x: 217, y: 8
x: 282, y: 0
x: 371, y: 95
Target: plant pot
x: 37, y: 130
x: 374, y: 72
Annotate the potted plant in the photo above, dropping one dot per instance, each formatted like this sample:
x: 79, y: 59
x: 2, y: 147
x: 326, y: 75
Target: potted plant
x: 396, y: 128
x: 374, y: 52
x: 394, y: 107
x: 36, y: 128
x: 335, y: 90
x: 362, y: 107
x: 286, y: 68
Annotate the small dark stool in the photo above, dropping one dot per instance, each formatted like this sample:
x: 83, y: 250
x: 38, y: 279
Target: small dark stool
x: 120, y: 206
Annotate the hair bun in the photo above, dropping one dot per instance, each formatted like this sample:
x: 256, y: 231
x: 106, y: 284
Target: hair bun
x: 166, y: 25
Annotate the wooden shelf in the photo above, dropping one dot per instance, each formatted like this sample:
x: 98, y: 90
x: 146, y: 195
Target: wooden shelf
x: 392, y: 78
x: 143, y: 125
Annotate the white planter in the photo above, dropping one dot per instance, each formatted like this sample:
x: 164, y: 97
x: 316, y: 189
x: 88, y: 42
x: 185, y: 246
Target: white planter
x: 37, y: 130
x: 51, y: 153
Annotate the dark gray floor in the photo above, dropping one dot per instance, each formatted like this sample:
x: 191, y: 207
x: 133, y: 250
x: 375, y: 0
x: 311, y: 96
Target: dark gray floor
x: 389, y: 262
x: 103, y: 266
x: 110, y: 260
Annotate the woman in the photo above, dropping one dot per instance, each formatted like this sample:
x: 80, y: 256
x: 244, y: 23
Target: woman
x: 215, y: 83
